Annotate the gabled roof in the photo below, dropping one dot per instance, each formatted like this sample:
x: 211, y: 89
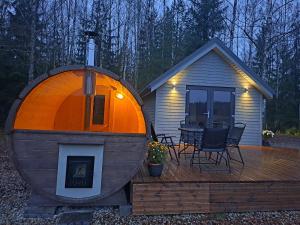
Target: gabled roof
x: 216, y: 45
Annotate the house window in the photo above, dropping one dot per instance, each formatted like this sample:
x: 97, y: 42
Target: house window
x: 99, y: 109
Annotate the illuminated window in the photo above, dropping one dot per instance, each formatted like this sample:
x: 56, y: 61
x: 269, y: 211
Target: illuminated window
x: 99, y: 109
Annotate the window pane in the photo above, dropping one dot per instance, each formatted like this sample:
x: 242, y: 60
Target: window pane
x: 80, y: 172
x: 222, y: 108
x: 197, y: 107
x: 98, y: 112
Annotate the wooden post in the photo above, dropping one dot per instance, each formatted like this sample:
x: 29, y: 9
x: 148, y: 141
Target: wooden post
x: 89, y: 90
x: 299, y: 116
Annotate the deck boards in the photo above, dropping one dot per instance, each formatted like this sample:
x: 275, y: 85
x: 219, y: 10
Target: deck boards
x: 270, y: 180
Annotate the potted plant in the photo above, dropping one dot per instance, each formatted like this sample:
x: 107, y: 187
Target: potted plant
x: 157, y: 154
x: 267, y: 135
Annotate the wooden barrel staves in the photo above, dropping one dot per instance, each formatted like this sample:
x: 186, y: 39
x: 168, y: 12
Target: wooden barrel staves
x: 78, y: 135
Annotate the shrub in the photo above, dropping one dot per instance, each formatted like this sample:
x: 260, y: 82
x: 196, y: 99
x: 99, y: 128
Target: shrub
x: 293, y: 131
x: 267, y: 134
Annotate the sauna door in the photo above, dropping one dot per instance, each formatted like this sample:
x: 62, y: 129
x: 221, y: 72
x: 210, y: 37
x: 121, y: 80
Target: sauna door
x: 100, y: 111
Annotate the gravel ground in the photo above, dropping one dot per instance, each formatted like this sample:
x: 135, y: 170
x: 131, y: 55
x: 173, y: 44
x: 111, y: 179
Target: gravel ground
x: 14, y: 193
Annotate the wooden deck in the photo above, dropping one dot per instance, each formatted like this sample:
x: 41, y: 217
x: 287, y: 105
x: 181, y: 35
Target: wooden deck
x: 270, y: 180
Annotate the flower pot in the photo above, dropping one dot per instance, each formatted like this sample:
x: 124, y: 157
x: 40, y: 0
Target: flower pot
x: 155, y: 170
x: 266, y: 142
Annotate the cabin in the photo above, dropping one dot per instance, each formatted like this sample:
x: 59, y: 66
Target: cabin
x: 212, y: 85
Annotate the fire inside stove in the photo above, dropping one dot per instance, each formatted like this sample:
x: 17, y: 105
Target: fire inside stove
x: 80, y: 172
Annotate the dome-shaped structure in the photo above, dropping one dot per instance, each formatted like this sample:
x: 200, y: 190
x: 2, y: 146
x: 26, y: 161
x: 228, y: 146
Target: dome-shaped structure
x: 59, y: 103
x: 78, y: 134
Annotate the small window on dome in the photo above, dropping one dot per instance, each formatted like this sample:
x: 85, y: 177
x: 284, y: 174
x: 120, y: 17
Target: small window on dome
x: 99, y: 109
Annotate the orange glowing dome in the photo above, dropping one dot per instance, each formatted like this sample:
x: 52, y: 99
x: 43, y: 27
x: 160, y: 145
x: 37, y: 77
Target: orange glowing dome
x: 80, y: 99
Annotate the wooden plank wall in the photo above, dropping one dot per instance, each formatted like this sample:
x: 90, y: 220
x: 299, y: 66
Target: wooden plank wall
x: 149, y: 107
x: 169, y: 198
x: 36, y: 157
x: 196, y: 197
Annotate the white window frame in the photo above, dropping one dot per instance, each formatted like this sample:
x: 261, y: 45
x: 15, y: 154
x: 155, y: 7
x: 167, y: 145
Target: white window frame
x: 66, y: 150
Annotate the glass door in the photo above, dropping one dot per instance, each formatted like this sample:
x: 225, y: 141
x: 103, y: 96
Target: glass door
x: 210, y: 106
x: 222, y: 108
x: 197, y: 107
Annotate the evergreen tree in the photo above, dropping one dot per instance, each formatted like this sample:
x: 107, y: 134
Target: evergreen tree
x: 14, y: 55
x: 168, y: 42
x: 179, y: 12
x: 105, y: 40
x: 204, y: 19
x: 147, y: 45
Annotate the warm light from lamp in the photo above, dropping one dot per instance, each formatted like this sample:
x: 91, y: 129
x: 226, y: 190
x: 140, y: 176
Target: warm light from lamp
x: 119, y: 95
x: 173, y: 85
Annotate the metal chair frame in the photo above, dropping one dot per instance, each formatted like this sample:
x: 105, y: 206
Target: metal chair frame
x: 233, y: 142
x: 219, y: 148
x: 166, y: 140
x: 186, y: 139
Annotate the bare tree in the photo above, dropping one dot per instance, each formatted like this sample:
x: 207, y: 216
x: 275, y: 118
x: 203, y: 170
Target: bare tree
x: 34, y: 12
x: 233, y: 23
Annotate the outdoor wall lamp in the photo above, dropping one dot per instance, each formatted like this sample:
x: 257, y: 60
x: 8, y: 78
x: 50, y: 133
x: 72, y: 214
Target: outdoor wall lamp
x: 173, y: 85
x: 119, y: 95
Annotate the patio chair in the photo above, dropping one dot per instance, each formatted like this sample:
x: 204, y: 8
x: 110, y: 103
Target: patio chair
x: 214, y: 140
x: 219, y: 124
x: 166, y: 140
x: 234, y: 138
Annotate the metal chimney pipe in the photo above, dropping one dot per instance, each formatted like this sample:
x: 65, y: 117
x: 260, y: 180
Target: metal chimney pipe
x: 90, y: 52
x: 90, y: 48
x: 89, y: 78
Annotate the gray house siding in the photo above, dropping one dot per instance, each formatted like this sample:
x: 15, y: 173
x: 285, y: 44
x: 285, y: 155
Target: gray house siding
x: 210, y: 70
x: 149, y: 107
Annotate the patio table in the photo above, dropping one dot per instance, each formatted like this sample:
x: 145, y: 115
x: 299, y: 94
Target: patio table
x: 187, y: 136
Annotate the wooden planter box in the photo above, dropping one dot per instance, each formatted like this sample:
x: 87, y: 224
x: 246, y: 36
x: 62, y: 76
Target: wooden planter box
x: 285, y: 141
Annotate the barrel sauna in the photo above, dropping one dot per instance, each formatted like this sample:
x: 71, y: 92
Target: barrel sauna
x: 78, y: 135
